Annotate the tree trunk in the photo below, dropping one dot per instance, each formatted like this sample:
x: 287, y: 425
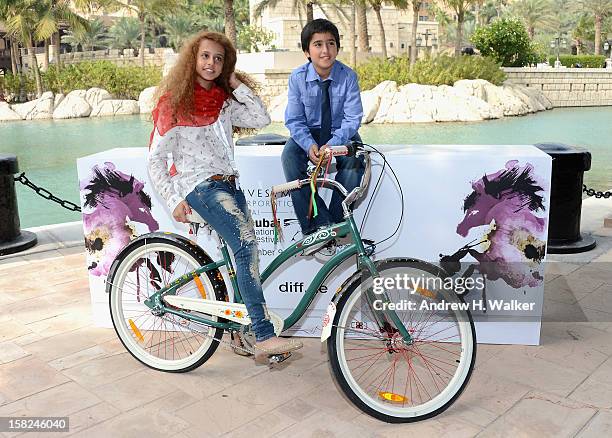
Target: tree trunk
x: 14, y: 56
x: 459, y: 42
x: 55, y: 40
x: 353, y: 38
x: 35, y: 70
x: 230, y: 21
x: 531, y: 31
x: 142, y: 18
x: 22, y: 88
x: 598, y: 20
x: 383, y: 39
x: 362, y: 22
x: 46, y: 57
x: 414, y: 50
x: 309, y: 12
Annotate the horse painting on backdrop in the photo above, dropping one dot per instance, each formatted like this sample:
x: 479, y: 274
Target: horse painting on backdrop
x: 114, y: 208
x: 510, y: 205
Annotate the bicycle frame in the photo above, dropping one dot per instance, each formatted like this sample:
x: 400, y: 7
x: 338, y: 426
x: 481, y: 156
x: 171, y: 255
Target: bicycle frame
x: 338, y: 230
x: 325, y: 235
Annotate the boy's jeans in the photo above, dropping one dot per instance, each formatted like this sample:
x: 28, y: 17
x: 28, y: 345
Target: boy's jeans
x: 349, y: 173
x: 224, y: 208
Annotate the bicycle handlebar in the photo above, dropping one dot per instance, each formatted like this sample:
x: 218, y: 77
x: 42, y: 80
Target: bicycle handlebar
x: 350, y: 149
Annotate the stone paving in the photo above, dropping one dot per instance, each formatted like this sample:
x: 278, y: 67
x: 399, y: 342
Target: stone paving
x: 55, y: 362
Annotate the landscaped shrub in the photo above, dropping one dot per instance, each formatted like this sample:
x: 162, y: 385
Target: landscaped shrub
x: 507, y: 41
x: 121, y: 82
x: 587, y: 61
x: 441, y: 70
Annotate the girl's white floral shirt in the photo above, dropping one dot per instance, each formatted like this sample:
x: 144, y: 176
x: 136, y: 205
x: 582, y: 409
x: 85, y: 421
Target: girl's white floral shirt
x: 202, y: 151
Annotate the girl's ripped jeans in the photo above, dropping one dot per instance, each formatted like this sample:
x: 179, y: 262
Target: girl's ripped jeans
x: 224, y: 208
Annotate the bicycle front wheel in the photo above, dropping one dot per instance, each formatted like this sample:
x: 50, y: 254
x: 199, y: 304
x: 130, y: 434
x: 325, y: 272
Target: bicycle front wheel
x: 164, y: 342
x: 386, y: 377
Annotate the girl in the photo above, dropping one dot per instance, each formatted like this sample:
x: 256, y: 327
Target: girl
x: 199, y: 103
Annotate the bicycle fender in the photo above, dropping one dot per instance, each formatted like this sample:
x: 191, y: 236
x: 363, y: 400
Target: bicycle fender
x: 214, y: 275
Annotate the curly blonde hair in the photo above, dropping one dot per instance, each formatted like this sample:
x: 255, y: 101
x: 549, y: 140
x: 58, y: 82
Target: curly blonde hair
x: 178, y: 84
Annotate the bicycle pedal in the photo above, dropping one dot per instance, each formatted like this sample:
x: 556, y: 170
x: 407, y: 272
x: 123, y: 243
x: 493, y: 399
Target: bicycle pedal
x: 278, y: 358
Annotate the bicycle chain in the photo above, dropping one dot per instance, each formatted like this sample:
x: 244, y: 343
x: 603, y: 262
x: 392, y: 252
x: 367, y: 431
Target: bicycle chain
x: 597, y: 194
x: 46, y: 193
x: 220, y: 340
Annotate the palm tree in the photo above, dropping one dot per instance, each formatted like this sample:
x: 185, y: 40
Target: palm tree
x: 52, y: 13
x: 209, y: 15
x: 600, y: 10
x: 145, y: 10
x: 377, y: 6
x: 94, y: 36
x: 488, y: 12
x: 298, y: 5
x: 21, y: 18
x: 416, y: 6
x: 460, y: 8
x: 56, y: 12
x: 125, y: 33
x: 534, y: 13
x: 230, y: 20
x: 362, y: 25
x: 13, y: 54
x: 179, y: 27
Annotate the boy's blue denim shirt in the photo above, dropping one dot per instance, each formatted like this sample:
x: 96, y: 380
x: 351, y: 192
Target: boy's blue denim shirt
x: 303, y: 111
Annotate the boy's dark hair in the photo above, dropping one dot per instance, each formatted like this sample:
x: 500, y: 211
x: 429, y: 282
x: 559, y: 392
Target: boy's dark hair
x: 320, y: 25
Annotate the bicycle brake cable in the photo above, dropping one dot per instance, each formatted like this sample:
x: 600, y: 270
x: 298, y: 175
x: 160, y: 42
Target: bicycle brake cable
x: 376, y: 188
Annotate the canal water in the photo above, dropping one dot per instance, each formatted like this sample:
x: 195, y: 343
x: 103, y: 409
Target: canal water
x: 47, y: 149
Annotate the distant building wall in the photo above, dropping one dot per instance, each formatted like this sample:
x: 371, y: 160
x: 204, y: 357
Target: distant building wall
x: 567, y: 87
x: 286, y: 23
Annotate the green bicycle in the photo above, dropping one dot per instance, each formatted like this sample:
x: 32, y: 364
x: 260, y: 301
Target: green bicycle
x: 396, y: 361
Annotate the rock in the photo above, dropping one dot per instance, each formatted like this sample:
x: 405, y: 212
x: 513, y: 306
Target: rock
x: 41, y: 108
x: 145, y: 100
x: 503, y: 98
x: 453, y: 105
x: 77, y: 93
x: 277, y: 106
x: 370, y: 101
x: 388, y: 91
x: 94, y: 96
x: 532, y: 97
x: 115, y: 107
x: 73, y: 106
x: 7, y: 114
x: 476, y: 87
x: 57, y: 100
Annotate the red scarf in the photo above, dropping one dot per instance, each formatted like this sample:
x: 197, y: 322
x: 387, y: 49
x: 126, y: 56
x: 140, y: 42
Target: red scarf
x: 206, y: 108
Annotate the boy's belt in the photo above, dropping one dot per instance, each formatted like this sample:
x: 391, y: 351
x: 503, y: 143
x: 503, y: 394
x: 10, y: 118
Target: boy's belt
x: 230, y: 178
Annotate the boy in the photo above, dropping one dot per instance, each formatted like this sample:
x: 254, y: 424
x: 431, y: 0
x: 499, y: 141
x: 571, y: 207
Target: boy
x: 324, y: 108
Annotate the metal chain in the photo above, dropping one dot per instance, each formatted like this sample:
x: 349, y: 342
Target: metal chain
x: 597, y: 194
x: 47, y: 194
x: 206, y: 335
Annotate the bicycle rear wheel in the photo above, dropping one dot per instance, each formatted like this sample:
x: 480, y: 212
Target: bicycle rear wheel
x: 164, y: 342
x: 381, y: 374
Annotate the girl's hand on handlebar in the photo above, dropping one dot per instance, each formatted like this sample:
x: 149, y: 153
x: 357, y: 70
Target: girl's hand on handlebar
x: 181, y: 211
